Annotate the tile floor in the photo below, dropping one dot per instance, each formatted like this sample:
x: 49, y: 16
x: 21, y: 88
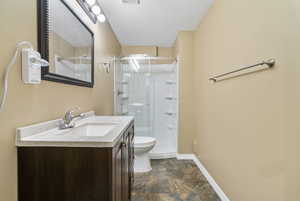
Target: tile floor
x: 173, y: 180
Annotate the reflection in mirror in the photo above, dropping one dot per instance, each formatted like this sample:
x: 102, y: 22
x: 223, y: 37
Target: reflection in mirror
x: 66, y: 42
x: 70, y: 43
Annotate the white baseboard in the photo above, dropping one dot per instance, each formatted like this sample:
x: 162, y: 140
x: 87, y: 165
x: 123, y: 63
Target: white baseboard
x: 162, y: 155
x: 209, y: 178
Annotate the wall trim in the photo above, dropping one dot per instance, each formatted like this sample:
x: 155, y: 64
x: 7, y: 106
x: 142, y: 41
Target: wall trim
x: 204, y: 171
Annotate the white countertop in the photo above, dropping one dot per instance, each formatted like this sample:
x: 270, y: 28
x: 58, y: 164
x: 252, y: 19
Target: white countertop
x: 48, y: 134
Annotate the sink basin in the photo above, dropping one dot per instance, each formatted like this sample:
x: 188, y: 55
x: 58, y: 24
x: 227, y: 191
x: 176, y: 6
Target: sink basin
x: 93, y: 129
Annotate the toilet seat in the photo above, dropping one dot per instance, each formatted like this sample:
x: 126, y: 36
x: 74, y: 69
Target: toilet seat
x: 143, y: 141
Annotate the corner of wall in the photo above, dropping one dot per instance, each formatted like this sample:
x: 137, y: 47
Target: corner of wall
x: 184, y: 49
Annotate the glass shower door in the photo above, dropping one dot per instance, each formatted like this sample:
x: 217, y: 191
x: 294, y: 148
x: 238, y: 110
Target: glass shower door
x: 118, y: 88
x: 134, y: 92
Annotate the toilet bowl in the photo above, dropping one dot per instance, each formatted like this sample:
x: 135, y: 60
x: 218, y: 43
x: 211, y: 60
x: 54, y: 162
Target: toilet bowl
x: 142, y: 147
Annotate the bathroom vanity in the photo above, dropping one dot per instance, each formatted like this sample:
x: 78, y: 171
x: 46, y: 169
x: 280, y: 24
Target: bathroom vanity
x: 91, y: 162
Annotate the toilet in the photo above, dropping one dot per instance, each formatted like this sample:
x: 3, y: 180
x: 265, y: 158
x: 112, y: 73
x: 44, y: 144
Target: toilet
x: 142, y: 147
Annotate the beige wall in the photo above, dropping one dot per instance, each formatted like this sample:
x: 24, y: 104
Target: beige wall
x: 165, y: 51
x: 149, y: 50
x: 28, y: 104
x: 247, y: 128
x: 184, y: 50
x: 152, y: 51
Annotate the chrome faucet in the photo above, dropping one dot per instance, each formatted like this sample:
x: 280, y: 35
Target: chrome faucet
x: 69, y: 117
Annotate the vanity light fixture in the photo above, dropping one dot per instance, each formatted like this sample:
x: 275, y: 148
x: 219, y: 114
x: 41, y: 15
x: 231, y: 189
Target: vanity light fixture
x: 90, y: 2
x: 93, y: 10
x: 96, y: 10
x: 101, y: 18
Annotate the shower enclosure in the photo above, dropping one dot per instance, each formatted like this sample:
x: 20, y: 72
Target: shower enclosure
x: 146, y: 88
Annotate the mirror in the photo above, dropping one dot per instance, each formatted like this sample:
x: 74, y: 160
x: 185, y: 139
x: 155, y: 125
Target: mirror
x: 67, y: 43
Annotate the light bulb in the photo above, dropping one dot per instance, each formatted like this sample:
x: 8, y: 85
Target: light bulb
x: 101, y: 18
x: 96, y: 10
x: 91, y: 2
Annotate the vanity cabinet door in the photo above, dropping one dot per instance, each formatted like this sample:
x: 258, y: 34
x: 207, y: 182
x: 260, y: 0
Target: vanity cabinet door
x: 131, y: 160
x: 125, y: 168
x: 118, y: 174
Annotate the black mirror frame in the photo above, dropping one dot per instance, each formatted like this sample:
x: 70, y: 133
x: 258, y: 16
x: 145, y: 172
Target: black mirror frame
x: 43, y: 46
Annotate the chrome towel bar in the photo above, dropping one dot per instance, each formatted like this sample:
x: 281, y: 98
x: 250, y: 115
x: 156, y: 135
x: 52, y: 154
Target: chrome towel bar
x: 270, y: 63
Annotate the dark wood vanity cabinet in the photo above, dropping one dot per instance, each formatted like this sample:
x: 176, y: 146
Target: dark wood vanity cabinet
x: 77, y: 173
x: 124, y: 158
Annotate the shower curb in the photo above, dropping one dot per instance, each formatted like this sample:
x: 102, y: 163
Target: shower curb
x: 204, y: 171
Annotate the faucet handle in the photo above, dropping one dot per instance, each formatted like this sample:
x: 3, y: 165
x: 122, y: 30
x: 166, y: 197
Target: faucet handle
x: 70, y: 113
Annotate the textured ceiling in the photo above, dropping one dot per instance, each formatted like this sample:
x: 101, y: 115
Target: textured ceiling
x: 153, y: 22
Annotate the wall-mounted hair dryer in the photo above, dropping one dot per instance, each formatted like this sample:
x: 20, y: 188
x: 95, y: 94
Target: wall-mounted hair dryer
x: 31, y: 68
